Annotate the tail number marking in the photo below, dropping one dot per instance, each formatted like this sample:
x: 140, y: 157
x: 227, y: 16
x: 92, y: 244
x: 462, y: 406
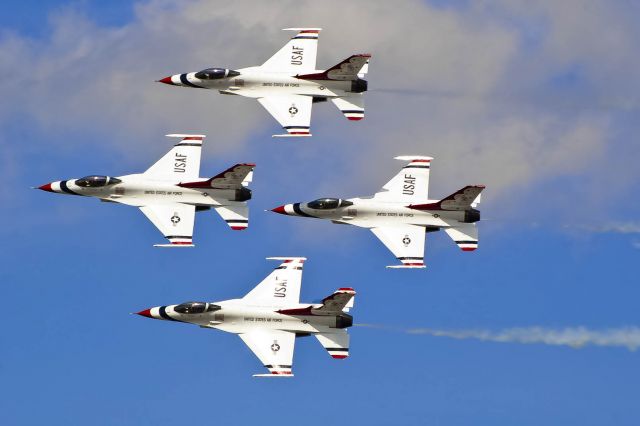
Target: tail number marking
x: 409, y: 185
x: 180, y: 163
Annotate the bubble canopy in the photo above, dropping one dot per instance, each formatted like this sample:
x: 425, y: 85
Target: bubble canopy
x: 215, y: 73
x: 96, y: 181
x: 196, y: 307
x: 328, y: 203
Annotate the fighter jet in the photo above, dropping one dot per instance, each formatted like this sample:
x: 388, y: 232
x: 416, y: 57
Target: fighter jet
x: 270, y: 317
x: 401, y: 213
x: 169, y: 193
x: 288, y: 84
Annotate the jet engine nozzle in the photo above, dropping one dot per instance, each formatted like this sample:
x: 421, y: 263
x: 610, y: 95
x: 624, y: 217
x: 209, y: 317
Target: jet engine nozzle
x: 243, y: 194
x: 471, y: 216
x: 215, y: 73
x: 359, y: 86
x: 344, y: 321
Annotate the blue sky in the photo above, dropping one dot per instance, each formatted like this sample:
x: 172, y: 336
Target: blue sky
x: 539, y: 102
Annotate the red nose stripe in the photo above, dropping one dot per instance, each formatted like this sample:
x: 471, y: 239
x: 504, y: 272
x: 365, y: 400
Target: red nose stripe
x: 166, y: 80
x: 46, y: 187
x: 279, y: 210
x: 145, y: 313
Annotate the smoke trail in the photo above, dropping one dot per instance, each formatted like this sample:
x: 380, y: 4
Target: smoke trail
x: 575, y: 337
x: 599, y: 104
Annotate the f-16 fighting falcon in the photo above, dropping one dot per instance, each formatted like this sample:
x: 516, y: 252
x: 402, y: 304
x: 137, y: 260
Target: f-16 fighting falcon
x: 288, y: 84
x: 270, y: 317
x: 170, y: 192
x: 401, y: 213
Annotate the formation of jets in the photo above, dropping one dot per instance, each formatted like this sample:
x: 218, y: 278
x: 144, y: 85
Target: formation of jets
x: 270, y: 317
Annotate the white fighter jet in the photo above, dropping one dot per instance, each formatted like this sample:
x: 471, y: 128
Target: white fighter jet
x: 270, y: 317
x: 401, y: 213
x: 288, y: 84
x: 170, y: 192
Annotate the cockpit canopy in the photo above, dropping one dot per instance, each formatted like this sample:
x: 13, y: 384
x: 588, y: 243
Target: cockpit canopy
x: 96, y: 181
x: 216, y: 73
x: 328, y: 203
x: 196, y: 307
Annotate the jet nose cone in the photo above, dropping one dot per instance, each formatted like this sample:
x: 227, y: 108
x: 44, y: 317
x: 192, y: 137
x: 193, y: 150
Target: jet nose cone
x: 279, y: 209
x: 46, y: 187
x: 145, y: 313
x: 166, y: 80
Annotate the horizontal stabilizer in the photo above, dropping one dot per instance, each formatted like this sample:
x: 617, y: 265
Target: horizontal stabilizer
x: 173, y: 245
x: 232, y: 178
x: 236, y: 214
x: 336, y: 343
x: 340, y: 301
x: 465, y: 236
x: 344, y: 71
x: 292, y: 135
x: 351, y: 106
x: 462, y: 199
x: 416, y: 266
x: 274, y: 375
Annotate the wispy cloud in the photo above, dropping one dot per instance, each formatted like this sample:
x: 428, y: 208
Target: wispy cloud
x: 615, y: 227
x: 575, y: 337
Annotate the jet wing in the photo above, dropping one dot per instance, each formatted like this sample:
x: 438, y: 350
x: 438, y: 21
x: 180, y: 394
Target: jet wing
x: 298, y: 56
x: 175, y: 221
x: 274, y: 348
x: 293, y: 112
x: 405, y: 242
x: 411, y: 184
x: 235, y: 213
x: 281, y: 287
x: 181, y: 162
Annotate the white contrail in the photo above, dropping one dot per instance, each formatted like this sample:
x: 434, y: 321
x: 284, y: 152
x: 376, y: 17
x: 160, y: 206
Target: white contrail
x: 614, y: 227
x: 575, y: 337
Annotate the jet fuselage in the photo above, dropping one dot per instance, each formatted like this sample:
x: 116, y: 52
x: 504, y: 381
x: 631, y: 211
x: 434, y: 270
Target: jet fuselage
x: 235, y: 316
x: 369, y: 213
x: 255, y: 83
x: 138, y: 190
